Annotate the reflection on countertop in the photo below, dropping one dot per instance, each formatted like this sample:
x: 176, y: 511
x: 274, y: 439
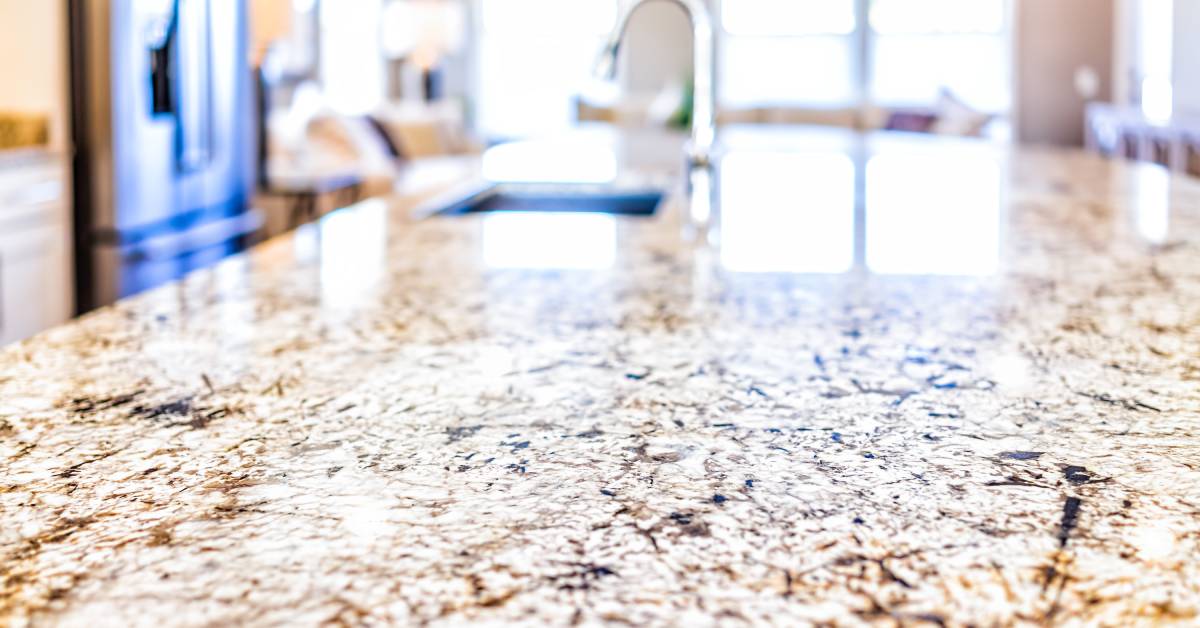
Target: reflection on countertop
x: 899, y: 380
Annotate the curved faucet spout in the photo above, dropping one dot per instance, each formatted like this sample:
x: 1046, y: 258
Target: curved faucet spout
x: 704, y: 112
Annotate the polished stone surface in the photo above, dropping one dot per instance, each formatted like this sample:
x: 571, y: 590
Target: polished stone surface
x: 909, y: 381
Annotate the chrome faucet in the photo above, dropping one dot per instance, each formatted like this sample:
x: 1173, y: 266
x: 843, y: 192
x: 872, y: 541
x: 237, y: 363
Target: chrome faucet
x: 704, y: 114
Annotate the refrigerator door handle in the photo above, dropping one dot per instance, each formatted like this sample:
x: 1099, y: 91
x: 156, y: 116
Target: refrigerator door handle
x: 194, y: 135
x: 162, y: 68
x: 181, y: 82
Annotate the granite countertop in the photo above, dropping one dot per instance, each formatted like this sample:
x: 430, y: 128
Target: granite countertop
x: 909, y: 381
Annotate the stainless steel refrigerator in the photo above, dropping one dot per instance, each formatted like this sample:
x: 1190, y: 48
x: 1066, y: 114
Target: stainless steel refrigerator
x: 162, y: 130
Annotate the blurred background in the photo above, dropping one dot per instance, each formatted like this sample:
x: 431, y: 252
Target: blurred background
x: 520, y: 68
x: 1022, y: 69
x: 261, y: 115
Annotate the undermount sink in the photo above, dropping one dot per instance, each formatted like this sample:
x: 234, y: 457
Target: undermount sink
x: 545, y: 198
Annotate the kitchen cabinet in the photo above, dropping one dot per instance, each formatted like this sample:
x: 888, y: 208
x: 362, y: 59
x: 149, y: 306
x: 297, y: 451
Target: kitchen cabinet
x: 35, y: 273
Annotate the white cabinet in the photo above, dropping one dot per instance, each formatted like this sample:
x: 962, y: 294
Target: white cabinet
x: 35, y: 272
x: 30, y: 298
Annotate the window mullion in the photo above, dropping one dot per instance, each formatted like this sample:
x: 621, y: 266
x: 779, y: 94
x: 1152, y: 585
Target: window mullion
x: 862, y: 62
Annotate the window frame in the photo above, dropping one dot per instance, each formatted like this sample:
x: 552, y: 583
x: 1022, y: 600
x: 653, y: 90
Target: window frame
x: 863, y: 42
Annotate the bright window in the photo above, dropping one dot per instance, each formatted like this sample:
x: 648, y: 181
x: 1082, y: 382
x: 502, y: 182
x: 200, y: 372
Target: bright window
x: 789, y: 17
x: 921, y: 47
x: 1155, y: 36
x: 352, y: 69
x: 782, y: 53
x: 915, y: 50
x: 530, y: 70
x: 797, y: 78
x: 914, y: 69
x: 790, y: 36
x: 924, y: 17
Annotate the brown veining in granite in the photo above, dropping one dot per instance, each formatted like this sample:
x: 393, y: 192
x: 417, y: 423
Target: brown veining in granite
x: 326, y: 432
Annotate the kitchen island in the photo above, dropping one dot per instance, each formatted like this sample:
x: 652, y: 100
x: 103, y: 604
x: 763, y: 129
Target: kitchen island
x: 905, y: 380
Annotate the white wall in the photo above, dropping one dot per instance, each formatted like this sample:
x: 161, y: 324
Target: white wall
x: 658, y: 49
x: 1187, y: 57
x: 1053, y: 40
x: 33, y: 72
x: 1125, y: 43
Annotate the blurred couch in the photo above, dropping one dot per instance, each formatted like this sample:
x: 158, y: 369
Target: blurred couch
x: 373, y: 145
x: 320, y: 144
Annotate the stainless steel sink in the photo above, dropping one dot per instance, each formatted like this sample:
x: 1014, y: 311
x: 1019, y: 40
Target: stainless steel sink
x: 543, y: 198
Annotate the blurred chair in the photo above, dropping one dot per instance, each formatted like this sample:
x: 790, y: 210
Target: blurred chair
x: 1192, y: 158
x: 1127, y: 133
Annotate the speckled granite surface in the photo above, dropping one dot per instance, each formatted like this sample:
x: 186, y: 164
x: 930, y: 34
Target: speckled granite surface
x: 379, y: 421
